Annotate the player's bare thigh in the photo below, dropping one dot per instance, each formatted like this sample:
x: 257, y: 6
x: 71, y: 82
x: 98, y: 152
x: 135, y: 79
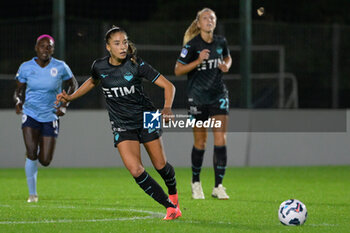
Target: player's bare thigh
x: 129, y: 151
x: 31, y: 138
x: 220, y: 133
x: 156, y: 153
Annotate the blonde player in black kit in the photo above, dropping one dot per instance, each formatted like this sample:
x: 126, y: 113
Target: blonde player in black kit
x: 204, y: 58
x: 120, y: 75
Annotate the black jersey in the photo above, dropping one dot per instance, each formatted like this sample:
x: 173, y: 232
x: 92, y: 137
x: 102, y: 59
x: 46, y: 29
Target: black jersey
x: 204, y: 83
x: 123, y: 90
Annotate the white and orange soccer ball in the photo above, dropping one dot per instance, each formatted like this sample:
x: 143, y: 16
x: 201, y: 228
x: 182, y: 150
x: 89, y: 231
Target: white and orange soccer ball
x: 292, y: 212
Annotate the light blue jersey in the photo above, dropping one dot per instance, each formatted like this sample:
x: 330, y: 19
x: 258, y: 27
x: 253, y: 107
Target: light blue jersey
x: 43, y: 84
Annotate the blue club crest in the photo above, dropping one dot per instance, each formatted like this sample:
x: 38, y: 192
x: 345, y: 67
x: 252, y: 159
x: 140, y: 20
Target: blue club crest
x: 128, y: 76
x: 219, y: 50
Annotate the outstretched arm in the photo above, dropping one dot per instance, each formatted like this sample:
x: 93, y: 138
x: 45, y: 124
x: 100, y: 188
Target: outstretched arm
x: 82, y: 90
x: 19, y: 96
x: 169, y: 93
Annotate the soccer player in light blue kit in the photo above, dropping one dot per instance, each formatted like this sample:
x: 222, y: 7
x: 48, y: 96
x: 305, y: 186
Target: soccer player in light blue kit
x: 39, y: 80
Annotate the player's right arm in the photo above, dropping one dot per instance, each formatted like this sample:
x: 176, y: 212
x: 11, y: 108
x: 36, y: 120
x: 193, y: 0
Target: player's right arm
x: 19, y: 96
x: 87, y: 86
x: 181, y: 69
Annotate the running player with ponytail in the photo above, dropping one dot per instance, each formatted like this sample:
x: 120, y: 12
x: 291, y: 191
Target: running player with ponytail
x: 120, y: 75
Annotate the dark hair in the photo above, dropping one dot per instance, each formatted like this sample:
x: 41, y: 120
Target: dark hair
x: 131, y: 48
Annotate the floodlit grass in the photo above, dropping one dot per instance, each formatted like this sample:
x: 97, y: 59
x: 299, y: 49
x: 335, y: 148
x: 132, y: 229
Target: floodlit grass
x: 109, y: 200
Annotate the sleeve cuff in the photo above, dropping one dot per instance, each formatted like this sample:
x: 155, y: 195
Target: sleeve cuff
x: 155, y: 78
x: 181, y: 62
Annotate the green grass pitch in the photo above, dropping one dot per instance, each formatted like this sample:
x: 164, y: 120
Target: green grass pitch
x: 109, y: 200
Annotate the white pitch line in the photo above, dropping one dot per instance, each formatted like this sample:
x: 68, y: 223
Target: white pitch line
x: 151, y: 213
x: 91, y: 208
x: 322, y: 225
x: 211, y: 222
x: 77, y: 220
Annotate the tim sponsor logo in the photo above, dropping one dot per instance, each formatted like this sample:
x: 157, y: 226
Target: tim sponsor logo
x: 118, y: 91
x: 209, y: 64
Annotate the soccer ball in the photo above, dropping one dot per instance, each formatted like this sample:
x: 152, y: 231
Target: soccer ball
x: 292, y: 212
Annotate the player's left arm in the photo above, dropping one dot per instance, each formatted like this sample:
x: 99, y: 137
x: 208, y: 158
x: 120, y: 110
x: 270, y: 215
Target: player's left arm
x: 71, y: 85
x: 169, y: 93
x: 226, y: 63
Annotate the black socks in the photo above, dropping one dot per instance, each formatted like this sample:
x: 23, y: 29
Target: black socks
x: 168, y: 175
x: 220, y: 161
x: 152, y: 188
x: 197, y: 161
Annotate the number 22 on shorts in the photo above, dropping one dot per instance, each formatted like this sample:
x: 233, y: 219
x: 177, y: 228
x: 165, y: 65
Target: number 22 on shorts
x: 224, y: 103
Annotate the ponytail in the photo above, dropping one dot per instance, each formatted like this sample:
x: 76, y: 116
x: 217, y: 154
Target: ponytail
x: 132, y: 51
x: 191, y: 31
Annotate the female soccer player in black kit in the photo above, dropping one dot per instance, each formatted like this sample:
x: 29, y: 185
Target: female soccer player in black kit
x: 204, y: 58
x: 120, y: 75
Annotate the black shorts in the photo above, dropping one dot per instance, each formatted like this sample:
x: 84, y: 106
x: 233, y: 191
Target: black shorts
x: 203, y: 112
x: 142, y: 135
x: 49, y: 129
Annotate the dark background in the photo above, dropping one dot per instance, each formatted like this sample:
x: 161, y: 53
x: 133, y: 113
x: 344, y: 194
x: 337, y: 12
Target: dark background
x: 290, y: 11
x: 304, y: 28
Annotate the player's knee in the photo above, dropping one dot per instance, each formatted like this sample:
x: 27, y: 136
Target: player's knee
x: 32, y: 156
x: 45, y: 162
x: 136, y: 171
x: 32, y: 153
x: 200, y: 144
x: 159, y: 164
x: 220, y: 140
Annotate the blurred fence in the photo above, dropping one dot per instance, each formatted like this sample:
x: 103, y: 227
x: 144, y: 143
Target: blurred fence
x: 309, y: 55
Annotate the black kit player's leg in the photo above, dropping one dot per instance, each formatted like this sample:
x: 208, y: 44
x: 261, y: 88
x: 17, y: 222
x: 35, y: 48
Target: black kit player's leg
x: 200, y: 140
x: 197, y: 157
x: 220, y: 157
x: 130, y: 153
x: 156, y: 152
x: 158, y: 158
x: 200, y: 136
x: 220, y: 133
x: 220, y: 152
